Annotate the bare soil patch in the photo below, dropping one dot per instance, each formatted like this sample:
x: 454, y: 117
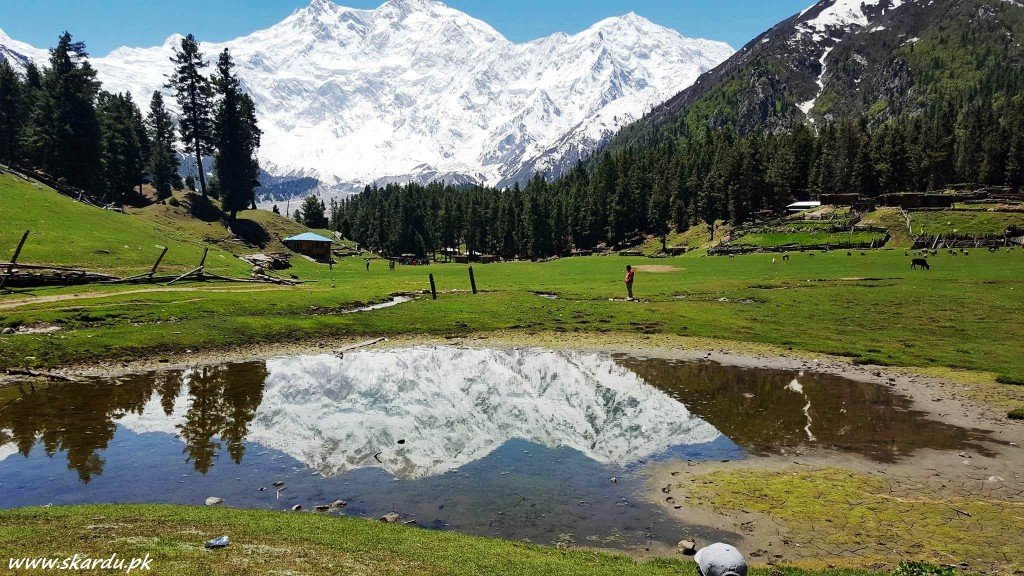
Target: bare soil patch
x: 657, y: 268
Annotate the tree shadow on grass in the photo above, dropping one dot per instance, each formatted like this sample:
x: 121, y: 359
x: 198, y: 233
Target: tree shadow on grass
x: 250, y: 232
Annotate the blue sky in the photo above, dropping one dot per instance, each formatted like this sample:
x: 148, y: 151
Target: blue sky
x: 107, y: 24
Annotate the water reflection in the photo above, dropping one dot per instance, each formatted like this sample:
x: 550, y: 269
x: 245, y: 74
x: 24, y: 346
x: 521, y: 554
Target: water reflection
x: 769, y: 410
x: 423, y: 411
x: 79, y: 419
x: 516, y: 444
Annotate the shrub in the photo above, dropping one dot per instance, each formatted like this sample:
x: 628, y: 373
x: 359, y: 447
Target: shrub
x: 1017, y: 414
x: 923, y: 569
x: 173, y: 202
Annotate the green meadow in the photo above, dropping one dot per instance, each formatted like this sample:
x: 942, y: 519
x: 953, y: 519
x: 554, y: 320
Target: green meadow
x: 871, y: 308
x: 266, y: 542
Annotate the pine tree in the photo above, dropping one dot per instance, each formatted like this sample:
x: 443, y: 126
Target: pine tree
x: 659, y: 209
x: 781, y: 178
x: 69, y: 129
x: 312, y: 213
x: 235, y: 139
x: 163, y: 161
x: 34, y: 137
x: 12, y: 113
x: 194, y: 94
x: 125, y: 145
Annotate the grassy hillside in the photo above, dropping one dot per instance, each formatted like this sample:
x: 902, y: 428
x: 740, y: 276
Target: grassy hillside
x: 65, y: 232
x: 69, y: 233
x: 965, y: 223
x: 265, y: 542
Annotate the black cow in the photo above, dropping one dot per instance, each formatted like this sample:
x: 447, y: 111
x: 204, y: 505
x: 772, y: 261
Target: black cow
x: 919, y: 262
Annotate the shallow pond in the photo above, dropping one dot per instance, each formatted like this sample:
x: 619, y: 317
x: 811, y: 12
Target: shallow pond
x: 531, y: 444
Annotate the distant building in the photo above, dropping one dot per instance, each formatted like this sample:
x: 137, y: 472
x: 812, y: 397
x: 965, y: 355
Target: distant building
x: 313, y: 245
x: 804, y: 205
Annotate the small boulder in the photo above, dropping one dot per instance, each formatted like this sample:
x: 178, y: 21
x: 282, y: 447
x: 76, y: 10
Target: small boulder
x: 278, y: 483
x: 297, y: 507
x: 213, y: 501
x: 389, y: 518
x: 323, y: 507
x: 8, y: 330
x: 339, y: 503
x: 687, y: 547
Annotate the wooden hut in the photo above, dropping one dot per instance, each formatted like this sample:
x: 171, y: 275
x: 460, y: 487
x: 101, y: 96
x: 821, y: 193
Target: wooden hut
x: 313, y: 245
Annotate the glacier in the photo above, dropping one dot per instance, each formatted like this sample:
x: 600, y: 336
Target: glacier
x: 416, y: 91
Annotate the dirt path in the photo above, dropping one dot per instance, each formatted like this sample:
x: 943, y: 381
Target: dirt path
x: 19, y: 302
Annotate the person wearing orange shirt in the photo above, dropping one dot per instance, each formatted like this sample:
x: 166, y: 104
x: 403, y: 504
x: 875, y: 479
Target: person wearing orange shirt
x: 629, y: 281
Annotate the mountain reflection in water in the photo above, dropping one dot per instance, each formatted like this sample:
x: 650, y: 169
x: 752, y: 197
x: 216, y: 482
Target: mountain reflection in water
x: 414, y: 412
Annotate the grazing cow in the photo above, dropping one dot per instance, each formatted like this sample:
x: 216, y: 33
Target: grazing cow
x: 863, y: 253
x: 785, y: 256
x: 811, y: 253
x: 923, y: 263
x: 849, y: 253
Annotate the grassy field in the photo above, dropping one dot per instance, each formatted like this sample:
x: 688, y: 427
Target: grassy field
x: 871, y: 308
x: 964, y: 223
x: 265, y: 542
x: 808, y: 238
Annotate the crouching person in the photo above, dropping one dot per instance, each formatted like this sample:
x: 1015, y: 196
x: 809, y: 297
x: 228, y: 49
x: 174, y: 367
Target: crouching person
x: 720, y: 560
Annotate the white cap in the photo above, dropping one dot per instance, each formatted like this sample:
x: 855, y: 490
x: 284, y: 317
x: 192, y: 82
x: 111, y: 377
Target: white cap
x: 721, y: 560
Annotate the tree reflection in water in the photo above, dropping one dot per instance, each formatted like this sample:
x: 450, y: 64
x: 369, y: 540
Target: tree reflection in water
x: 79, y: 419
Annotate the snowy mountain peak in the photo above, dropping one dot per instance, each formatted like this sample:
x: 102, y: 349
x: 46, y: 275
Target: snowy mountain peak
x: 416, y: 90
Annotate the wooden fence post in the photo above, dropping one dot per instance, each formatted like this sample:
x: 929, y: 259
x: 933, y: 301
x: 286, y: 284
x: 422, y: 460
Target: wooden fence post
x: 472, y: 279
x: 14, y: 259
x: 433, y: 289
x: 160, y: 258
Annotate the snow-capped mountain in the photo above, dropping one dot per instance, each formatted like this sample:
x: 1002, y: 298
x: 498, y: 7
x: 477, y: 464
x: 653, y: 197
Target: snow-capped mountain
x: 451, y: 406
x: 417, y: 90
